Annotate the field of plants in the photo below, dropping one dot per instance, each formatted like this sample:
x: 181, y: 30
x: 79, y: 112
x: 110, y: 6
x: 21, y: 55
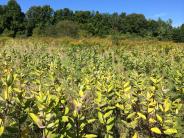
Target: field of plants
x: 95, y: 87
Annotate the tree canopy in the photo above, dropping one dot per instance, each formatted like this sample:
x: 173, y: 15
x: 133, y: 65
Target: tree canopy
x: 39, y: 20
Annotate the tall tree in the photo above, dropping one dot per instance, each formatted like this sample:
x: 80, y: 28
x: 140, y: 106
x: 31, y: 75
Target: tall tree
x: 136, y: 23
x: 39, y: 17
x: 13, y: 18
x: 2, y: 18
x: 178, y: 34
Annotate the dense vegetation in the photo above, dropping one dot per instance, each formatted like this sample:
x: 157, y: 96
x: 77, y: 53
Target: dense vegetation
x: 91, y: 88
x: 44, y: 21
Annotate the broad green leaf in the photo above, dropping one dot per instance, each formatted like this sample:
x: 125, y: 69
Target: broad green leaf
x: 82, y: 126
x: 65, y: 119
x: 36, y: 120
x: 100, y: 117
x: 156, y: 130
x: 108, y: 114
x: 91, y: 121
x: 50, y: 125
x: 109, y: 127
x: 66, y: 110
x: 99, y: 97
x: 133, y: 124
x: 170, y: 131
x: 120, y: 106
x: 131, y: 115
x: 110, y: 120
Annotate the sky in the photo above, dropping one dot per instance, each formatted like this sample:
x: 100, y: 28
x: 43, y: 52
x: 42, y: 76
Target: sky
x: 152, y: 9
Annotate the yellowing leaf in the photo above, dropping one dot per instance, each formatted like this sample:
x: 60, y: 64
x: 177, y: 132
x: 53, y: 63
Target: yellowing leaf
x: 110, y: 88
x: 6, y: 94
x: 170, y: 131
x: 17, y: 90
x: 151, y: 120
x: 166, y: 105
x: 135, y: 135
x: 161, y: 107
x: 150, y: 110
x: 81, y: 93
x: 153, y: 80
x: 142, y: 115
x: 90, y: 136
x: 159, y: 118
x: 1, y: 130
x: 156, y: 130
x: 120, y: 106
x: 126, y: 84
x: 127, y: 89
x: 36, y: 120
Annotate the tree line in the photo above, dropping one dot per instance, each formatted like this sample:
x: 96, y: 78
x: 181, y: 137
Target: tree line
x: 44, y: 21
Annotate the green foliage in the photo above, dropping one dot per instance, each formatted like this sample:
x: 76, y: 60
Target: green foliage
x: 82, y: 91
x: 44, y: 21
x: 64, y: 28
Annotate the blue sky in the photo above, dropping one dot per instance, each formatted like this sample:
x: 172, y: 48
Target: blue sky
x: 153, y: 9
